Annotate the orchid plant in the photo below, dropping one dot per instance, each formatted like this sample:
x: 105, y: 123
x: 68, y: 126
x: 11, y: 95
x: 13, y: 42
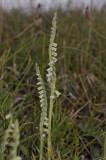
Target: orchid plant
x: 46, y: 120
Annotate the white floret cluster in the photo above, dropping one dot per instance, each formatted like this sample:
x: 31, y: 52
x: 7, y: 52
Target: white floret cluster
x: 43, y: 103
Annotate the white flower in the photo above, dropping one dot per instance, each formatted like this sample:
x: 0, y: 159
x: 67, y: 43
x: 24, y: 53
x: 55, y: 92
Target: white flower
x: 41, y: 96
x: 49, y: 75
x: 45, y: 130
x: 8, y: 116
x: 41, y: 92
x: 46, y: 124
x: 50, y: 63
x: 52, y: 97
x: 54, y: 54
x: 54, y: 44
x: 39, y: 83
x: 39, y: 88
x: 43, y: 136
x: 49, y: 69
x: 42, y: 101
x: 57, y: 93
x: 54, y: 49
x: 46, y: 119
x: 54, y: 59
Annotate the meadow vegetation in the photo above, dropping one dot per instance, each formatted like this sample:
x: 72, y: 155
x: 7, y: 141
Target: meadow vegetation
x: 78, y: 130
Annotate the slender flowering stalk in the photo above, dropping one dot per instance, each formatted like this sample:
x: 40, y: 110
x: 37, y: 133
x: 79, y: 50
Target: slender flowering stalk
x: 43, y: 104
x: 51, y: 78
x: 5, y: 140
x: 15, y: 142
x: 11, y: 140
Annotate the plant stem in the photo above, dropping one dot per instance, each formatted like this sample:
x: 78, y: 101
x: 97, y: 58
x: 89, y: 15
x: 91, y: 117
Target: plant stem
x: 50, y: 119
x: 49, y: 129
x: 41, y: 148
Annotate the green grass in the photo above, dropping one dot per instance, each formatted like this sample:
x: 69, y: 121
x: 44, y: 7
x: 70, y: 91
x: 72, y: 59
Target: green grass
x: 78, y: 124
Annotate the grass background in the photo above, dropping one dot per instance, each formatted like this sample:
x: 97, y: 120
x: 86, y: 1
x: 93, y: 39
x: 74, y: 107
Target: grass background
x: 78, y: 126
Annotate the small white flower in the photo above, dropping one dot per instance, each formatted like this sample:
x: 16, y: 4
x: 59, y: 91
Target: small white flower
x: 52, y: 97
x: 46, y: 124
x: 39, y: 88
x: 54, y: 59
x: 50, y: 63
x: 54, y: 44
x: 39, y: 83
x: 41, y: 96
x: 42, y: 100
x: 41, y: 92
x: 38, y: 78
x: 54, y: 49
x: 42, y: 105
x: 54, y: 54
x: 57, y: 93
x: 46, y: 119
x: 48, y: 80
x: 45, y: 130
x: 49, y: 69
x: 43, y: 136
x: 8, y: 116
x: 49, y: 75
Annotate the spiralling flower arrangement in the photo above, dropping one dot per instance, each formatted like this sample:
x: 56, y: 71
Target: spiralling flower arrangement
x: 43, y: 104
x: 45, y: 122
x: 51, y: 76
x: 10, y: 142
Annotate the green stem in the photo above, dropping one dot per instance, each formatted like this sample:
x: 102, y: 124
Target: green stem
x: 49, y: 129
x: 41, y: 148
x: 50, y: 120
